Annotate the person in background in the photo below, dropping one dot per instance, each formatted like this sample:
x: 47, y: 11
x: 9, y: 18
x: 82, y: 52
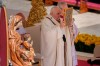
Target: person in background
x: 73, y: 30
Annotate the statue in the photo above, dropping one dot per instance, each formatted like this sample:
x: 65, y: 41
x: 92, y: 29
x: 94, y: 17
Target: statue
x: 21, y: 51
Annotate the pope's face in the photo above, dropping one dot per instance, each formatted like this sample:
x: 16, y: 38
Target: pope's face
x: 57, y: 14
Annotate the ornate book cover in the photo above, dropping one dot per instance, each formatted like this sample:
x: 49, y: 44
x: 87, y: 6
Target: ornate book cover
x: 68, y: 14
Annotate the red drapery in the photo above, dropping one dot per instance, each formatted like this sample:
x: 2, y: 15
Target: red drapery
x: 3, y: 37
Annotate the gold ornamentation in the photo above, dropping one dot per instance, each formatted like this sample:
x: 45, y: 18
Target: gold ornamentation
x: 37, y: 12
x: 21, y: 51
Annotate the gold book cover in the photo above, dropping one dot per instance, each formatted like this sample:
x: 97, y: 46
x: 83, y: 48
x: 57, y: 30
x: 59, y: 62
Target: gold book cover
x: 68, y: 14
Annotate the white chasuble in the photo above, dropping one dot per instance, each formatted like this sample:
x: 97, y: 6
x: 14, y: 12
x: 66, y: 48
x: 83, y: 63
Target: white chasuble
x: 52, y: 45
x: 68, y: 51
x: 73, y: 32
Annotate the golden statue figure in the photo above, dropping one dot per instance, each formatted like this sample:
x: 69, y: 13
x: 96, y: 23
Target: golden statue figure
x: 21, y: 51
x: 37, y: 12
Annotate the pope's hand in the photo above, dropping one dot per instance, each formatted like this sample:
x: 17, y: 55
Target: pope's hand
x: 62, y: 23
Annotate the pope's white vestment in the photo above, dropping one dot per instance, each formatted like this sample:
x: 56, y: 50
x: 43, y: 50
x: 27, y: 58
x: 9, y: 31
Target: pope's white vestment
x: 52, y: 44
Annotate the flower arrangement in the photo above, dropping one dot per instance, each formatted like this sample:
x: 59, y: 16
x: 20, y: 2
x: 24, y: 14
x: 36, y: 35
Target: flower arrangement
x: 86, y: 42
